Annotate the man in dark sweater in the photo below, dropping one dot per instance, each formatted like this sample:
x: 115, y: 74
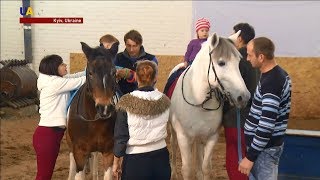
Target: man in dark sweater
x: 250, y: 76
x: 266, y: 124
x: 126, y: 61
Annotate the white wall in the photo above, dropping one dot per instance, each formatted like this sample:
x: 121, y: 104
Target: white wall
x: 11, y: 31
x: 166, y: 26
x: 294, y: 26
x: 162, y: 25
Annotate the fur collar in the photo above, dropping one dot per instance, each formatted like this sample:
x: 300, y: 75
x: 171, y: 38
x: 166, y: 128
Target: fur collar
x: 143, y: 107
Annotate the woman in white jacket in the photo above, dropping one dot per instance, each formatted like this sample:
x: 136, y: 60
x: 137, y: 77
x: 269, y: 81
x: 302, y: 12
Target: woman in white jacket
x: 140, y: 130
x: 54, y: 85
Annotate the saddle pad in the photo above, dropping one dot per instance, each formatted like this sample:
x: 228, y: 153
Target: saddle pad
x: 172, y: 81
x: 171, y: 88
x: 72, y: 94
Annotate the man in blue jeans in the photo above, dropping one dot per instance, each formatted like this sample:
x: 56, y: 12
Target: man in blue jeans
x: 267, y: 121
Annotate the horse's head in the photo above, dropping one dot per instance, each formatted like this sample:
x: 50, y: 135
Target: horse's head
x: 101, y: 77
x: 226, y: 75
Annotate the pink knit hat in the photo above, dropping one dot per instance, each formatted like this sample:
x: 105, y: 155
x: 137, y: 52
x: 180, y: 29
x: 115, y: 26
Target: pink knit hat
x: 202, y: 23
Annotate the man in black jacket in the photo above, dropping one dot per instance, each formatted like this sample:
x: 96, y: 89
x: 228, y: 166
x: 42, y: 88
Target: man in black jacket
x: 126, y: 61
x: 250, y: 77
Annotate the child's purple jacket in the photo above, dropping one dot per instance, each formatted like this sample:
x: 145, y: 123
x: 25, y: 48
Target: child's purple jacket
x: 194, y: 47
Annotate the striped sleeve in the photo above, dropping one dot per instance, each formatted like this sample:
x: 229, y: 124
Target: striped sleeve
x: 269, y: 113
x: 266, y: 125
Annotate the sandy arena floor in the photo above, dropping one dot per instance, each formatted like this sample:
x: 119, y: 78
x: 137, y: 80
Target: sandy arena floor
x: 18, y: 159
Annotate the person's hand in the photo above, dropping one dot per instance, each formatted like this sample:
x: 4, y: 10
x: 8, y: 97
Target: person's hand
x: 116, y: 168
x: 185, y: 64
x: 123, y: 73
x: 245, y: 166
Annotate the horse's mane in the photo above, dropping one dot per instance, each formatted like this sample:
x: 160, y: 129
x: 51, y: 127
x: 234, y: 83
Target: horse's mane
x: 224, y: 49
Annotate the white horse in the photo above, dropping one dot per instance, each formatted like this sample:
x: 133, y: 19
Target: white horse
x: 197, y: 101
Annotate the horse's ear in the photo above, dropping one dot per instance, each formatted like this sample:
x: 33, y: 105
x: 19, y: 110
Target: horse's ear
x: 114, y: 48
x: 214, y: 39
x: 86, y: 49
x: 234, y: 36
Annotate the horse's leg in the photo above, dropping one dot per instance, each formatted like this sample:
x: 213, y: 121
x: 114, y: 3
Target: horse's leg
x: 107, y: 164
x: 90, y: 168
x: 94, y: 165
x: 72, y: 167
x: 185, y: 143
x: 197, y: 154
x: 80, y: 176
x: 81, y: 157
x: 174, y: 145
x: 87, y: 169
x: 208, y: 155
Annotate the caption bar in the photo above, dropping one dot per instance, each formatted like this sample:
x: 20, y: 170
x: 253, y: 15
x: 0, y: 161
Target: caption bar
x: 53, y: 20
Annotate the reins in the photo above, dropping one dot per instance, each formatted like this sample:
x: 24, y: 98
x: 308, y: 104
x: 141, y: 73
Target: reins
x: 213, y: 92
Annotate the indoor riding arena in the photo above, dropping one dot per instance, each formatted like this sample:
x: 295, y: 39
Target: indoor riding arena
x: 166, y: 28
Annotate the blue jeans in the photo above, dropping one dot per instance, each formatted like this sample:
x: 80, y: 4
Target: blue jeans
x: 266, y: 165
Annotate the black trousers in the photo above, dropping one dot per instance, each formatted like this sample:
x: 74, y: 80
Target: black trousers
x: 153, y: 165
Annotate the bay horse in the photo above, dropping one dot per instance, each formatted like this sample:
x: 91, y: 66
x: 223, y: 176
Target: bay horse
x: 92, y: 115
x: 197, y: 102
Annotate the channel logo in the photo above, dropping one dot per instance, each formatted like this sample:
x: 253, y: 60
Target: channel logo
x: 27, y: 12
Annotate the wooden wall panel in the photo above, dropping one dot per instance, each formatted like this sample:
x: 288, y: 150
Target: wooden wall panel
x: 304, y: 72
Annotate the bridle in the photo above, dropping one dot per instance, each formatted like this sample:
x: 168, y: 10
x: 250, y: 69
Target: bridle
x: 221, y: 95
x: 97, y: 117
x: 115, y: 99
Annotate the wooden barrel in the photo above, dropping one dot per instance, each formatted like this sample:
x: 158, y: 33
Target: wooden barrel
x: 17, y: 81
